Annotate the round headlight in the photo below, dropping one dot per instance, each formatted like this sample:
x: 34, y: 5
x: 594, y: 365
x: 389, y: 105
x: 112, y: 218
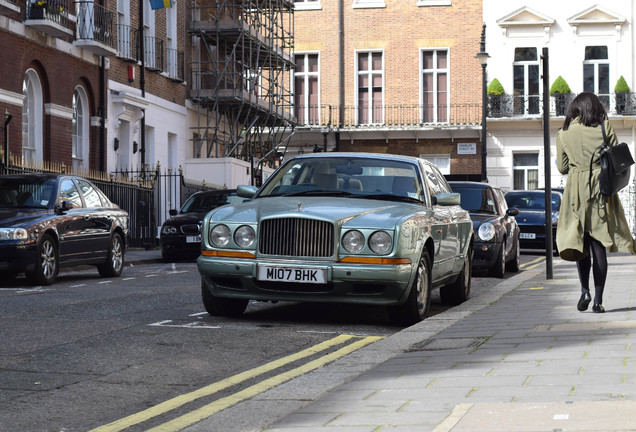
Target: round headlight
x: 380, y: 242
x: 220, y: 236
x: 167, y: 229
x: 244, y: 236
x: 486, y: 232
x: 353, y: 241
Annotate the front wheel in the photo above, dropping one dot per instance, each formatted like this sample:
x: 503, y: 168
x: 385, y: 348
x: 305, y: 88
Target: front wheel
x: 459, y: 291
x: 114, y: 258
x: 46, y: 265
x: 418, y: 303
x: 220, y: 306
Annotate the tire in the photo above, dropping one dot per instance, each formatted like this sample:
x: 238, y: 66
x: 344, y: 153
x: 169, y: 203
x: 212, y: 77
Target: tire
x: 220, y: 306
x: 499, y: 268
x: 47, y: 263
x: 114, y: 258
x: 418, y: 304
x: 168, y: 256
x: 459, y: 291
x: 514, y: 264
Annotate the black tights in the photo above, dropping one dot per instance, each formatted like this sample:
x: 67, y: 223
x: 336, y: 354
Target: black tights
x: 597, y: 250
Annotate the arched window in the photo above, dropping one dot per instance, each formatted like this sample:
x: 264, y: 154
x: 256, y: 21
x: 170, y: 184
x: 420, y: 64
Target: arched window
x: 80, y: 129
x: 32, y: 109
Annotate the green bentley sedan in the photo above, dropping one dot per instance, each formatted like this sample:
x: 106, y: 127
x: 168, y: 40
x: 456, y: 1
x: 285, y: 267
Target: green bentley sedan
x: 363, y: 228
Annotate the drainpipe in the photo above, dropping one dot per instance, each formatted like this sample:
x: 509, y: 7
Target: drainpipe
x: 101, y: 110
x: 341, y: 89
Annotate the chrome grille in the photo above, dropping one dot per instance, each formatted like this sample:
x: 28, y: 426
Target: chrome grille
x: 296, y: 237
x: 191, y: 229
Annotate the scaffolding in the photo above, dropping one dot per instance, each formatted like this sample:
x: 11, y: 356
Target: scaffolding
x: 241, y: 79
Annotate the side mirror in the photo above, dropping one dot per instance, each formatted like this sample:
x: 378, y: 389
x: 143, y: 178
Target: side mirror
x: 512, y: 211
x: 448, y: 199
x: 245, y: 191
x: 64, y: 206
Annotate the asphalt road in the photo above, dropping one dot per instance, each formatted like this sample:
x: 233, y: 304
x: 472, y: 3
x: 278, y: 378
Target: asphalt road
x: 87, y: 352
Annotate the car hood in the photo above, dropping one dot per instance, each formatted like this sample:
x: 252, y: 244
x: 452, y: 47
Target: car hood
x: 20, y: 217
x: 186, y: 218
x: 480, y: 218
x: 531, y: 217
x: 362, y: 212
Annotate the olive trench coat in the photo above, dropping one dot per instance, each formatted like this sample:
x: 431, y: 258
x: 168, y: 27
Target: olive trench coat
x: 581, y: 212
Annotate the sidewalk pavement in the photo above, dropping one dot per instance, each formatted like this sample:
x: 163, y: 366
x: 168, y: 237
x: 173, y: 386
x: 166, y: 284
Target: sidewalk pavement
x: 519, y: 358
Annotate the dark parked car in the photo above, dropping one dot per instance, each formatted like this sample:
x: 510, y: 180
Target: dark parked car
x: 361, y: 228
x: 180, y: 235
x: 48, y: 221
x: 496, y: 246
x: 531, y: 217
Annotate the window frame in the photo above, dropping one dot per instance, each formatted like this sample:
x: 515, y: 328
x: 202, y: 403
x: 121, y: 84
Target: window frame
x: 370, y: 73
x: 436, y: 72
x: 525, y: 169
x: 306, y: 75
x: 527, y: 98
x: 32, y: 117
x: 307, y: 5
x: 596, y: 63
x: 80, y: 150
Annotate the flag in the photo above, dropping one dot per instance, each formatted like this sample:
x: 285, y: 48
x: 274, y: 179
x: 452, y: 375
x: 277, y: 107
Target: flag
x: 160, y: 4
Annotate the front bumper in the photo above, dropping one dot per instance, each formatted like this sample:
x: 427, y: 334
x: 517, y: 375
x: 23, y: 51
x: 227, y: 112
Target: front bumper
x: 485, y: 254
x: 345, y: 283
x: 17, y: 258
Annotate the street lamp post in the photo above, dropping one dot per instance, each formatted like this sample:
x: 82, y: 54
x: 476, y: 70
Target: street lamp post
x: 483, y: 57
x: 7, y: 120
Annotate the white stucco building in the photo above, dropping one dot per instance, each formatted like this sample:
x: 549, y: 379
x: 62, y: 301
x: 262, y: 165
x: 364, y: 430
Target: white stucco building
x: 590, y: 44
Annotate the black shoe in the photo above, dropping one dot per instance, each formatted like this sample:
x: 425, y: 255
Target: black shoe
x: 584, y: 301
x: 598, y: 308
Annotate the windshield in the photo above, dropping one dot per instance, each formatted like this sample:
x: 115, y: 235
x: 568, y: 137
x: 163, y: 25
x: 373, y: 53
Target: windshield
x: 26, y: 192
x: 204, y: 202
x: 524, y: 201
x: 347, y: 176
x: 476, y: 200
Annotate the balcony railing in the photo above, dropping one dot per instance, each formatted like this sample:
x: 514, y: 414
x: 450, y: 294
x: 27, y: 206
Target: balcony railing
x: 175, y: 64
x: 128, y: 42
x: 95, y: 24
x: 50, y: 16
x: 393, y: 116
x: 506, y: 106
x: 153, y: 57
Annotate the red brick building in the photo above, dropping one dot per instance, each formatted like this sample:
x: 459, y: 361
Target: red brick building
x: 390, y: 76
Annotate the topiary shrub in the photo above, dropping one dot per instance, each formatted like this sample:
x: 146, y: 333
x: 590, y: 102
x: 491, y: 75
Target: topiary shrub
x: 621, y: 89
x: 495, y: 88
x: 621, y: 86
x: 561, y: 92
x: 560, y: 86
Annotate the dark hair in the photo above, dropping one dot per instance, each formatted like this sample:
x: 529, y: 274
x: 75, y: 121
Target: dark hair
x: 588, y: 107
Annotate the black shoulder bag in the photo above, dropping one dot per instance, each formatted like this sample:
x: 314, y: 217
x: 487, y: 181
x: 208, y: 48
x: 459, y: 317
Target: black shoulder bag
x: 615, y: 164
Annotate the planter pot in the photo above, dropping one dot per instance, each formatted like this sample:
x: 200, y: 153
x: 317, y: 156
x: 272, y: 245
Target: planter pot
x: 495, y: 105
x: 561, y: 102
x: 621, y: 102
x: 36, y: 13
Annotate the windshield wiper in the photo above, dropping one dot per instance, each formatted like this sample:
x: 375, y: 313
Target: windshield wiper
x: 390, y: 197
x: 317, y: 192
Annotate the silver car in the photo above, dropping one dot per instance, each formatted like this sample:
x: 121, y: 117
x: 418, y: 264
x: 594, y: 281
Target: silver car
x: 340, y: 227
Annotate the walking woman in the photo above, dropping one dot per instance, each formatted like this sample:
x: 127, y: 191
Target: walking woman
x: 589, y: 223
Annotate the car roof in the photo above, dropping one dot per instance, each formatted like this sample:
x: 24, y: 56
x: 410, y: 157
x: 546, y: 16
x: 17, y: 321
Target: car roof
x: 363, y: 155
x: 471, y: 184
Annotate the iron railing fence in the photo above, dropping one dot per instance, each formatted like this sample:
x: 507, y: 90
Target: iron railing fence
x: 502, y: 106
x: 176, y: 63
x: 401, y: 115
x: 154, y: 53
x: 128, y: 42
x: 95, y: 22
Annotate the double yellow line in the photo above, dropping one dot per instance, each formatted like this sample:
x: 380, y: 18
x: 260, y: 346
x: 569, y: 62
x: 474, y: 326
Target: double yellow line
x: 532, y: 264
x: 210, y: 409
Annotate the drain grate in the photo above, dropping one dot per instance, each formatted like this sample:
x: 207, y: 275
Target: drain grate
x: 449, y: 343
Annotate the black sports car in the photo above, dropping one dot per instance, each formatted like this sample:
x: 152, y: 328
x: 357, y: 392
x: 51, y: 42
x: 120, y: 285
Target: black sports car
x: 180, y: 235
x: 531, y: 217
x: 496, y: 246
x: 48, y: 221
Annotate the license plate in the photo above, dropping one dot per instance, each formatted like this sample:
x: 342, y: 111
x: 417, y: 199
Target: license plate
x: 527, y: 236
x: 193, y: 239
x: 292, y: 274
